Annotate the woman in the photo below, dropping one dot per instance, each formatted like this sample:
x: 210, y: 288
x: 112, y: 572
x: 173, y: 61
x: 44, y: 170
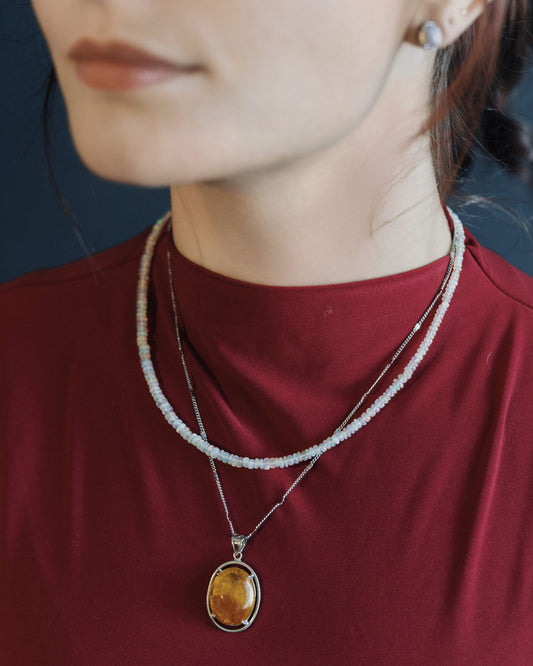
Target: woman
x: 310, y: 313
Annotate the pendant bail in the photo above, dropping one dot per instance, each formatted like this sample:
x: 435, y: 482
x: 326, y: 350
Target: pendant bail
x: 238, y: 541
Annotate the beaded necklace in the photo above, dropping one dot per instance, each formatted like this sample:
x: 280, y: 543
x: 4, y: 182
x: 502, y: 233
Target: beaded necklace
x: 234, y: 593
x: 348, y: 428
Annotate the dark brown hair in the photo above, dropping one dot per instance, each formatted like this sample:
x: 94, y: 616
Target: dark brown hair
x: 472, y: 79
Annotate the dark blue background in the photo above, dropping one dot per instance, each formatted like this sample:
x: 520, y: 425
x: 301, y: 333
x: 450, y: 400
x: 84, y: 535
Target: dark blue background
x: 36, y: 234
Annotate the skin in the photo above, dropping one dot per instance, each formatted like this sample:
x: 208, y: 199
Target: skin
x: 292, y: 156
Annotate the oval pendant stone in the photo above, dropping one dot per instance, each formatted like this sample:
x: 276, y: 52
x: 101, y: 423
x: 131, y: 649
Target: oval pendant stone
x: 233, y: 596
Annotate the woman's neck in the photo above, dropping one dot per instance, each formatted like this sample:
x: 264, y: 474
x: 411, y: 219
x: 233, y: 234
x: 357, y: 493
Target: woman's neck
x: 356, y: 209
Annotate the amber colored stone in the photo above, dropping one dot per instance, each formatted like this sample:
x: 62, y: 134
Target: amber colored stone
x: 232, y: 596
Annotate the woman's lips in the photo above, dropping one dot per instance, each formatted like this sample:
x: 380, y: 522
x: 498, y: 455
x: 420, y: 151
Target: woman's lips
x: 119, y: 66
x: 108, y: 75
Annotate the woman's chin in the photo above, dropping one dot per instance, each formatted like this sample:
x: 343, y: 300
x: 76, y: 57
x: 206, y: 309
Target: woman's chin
x: 131, y: 167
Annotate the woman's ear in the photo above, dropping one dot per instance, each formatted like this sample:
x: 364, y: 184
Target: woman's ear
x: 451, y: 17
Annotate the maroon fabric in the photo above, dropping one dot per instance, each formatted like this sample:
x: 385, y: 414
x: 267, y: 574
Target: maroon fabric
x: 410, y: 543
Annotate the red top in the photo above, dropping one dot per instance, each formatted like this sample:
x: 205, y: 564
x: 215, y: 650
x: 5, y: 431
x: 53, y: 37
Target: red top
x: 410, y: 543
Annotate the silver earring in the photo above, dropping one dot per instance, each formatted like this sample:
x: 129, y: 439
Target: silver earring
x: 430, y: 36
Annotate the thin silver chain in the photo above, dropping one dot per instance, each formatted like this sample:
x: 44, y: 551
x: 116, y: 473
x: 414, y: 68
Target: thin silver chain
x: 311, y: 464
x: 408, y: 339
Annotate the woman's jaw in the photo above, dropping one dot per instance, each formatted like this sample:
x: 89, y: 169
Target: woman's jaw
x: 290, y: 154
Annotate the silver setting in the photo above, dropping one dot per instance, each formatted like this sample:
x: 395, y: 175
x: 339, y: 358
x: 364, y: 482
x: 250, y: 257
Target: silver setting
x: 257, y: 587
x: 430, y: 36
x: 238, y: 541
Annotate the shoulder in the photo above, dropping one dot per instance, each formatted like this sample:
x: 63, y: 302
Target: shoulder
x: 495, y: 335
x: 55, y: 309
x: 503, y: 281
x: 93, y: 268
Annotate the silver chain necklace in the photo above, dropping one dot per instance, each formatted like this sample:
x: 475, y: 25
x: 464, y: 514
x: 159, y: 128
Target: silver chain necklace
x: 234, y: 593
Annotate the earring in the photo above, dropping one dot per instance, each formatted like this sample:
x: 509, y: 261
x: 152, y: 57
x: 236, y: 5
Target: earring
x: 430, y: 36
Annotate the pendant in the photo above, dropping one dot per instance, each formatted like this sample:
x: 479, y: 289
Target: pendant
x: 234, y: 593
